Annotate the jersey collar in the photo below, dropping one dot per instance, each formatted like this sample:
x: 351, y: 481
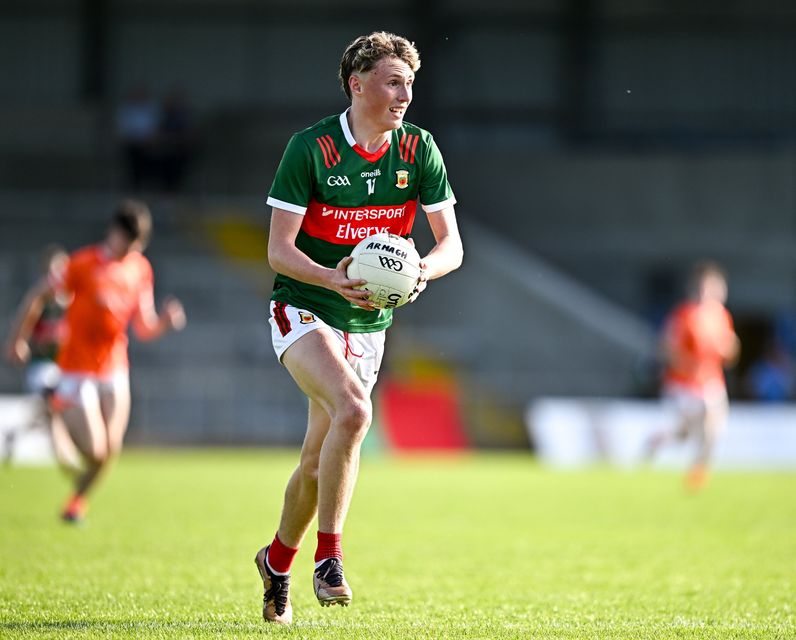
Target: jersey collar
x: 349, y: 138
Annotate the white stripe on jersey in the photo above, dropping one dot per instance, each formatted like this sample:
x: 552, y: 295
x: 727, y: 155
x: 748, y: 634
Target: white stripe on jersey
x: 281, y: 204
x: 438, y: 206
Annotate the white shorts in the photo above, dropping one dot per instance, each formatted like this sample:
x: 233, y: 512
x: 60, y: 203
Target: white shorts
x: 73, y: 387
x: 363, y: 351
x: 698, y: 409
x: 42, y: 376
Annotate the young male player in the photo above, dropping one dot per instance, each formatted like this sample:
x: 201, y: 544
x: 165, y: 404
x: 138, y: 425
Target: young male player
x: 698, y: 342
x: 339, y: 181
x: 109, y: 286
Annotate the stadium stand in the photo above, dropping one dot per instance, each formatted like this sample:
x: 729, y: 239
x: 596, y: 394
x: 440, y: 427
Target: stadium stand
x: 218, y: 381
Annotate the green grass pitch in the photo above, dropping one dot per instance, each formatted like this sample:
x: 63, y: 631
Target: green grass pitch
x: 474, y: 546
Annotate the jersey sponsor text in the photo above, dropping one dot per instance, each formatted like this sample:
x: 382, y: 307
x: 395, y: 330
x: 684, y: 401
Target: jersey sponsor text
x: 364, y: 213
x: 350, y: 232
x: 349, y: 225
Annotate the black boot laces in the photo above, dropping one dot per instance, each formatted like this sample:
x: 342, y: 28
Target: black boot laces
x: 331, y: 572
x: 278, y: 592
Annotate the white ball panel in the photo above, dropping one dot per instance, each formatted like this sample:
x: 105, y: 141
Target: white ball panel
x: 390, y: 265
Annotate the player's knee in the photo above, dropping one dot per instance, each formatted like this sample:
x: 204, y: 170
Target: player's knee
x: 354, y: 417
x: 309, y: 469
x: 98, y: 455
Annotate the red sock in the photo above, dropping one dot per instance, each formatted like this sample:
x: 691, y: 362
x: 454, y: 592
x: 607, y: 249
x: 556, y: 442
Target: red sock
x: 280, y: 557
x: 76, y: 506
x: 330, y: 545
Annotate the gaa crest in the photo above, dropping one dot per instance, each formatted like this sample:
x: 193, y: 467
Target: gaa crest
x: 402, y: 178
x: 306, y: 318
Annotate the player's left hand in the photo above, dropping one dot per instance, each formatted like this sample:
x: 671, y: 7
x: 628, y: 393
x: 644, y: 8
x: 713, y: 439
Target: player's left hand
x: 422, y: 282
x: 174, y: 314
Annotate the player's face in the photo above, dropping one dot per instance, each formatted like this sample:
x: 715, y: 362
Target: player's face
x: 713, y: 287
x: 386, y: 91
x: 120, y: 243
x: 57, y: 264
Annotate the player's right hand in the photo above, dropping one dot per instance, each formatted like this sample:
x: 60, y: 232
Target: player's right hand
x: 342, y: 284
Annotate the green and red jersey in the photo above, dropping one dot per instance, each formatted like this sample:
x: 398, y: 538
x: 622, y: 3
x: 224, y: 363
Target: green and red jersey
x: 347, y: 194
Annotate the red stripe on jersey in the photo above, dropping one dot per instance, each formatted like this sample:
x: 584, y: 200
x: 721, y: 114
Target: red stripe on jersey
x: 401, y: 145
x: 414, y: 146
x: 334, y: 152
x: 282, y: 321
x: 325, y: 154
x: 372, y: 156
x: 410, y: 139
x: 332, y: 159
x: 349, y: 225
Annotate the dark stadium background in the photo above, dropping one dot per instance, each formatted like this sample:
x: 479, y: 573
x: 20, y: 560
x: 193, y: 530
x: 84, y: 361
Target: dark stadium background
x: 597, y: 149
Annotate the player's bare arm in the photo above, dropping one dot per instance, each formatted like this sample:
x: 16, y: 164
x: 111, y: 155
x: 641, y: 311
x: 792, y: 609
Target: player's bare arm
x: 731, y: 350
x: 285, y: 258
x: 30, y: 310
x: 148, y: 324
x: 447, y: 254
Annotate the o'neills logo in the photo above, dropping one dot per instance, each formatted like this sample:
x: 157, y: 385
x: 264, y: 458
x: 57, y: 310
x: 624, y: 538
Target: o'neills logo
x: 349, y: 225
x: 402, y: 178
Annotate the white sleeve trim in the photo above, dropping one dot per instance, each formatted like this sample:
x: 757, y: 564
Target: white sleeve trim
x: 438, y: 206
x: 281, y: 204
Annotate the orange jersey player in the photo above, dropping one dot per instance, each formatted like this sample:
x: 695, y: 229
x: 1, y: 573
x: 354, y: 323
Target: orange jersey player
x: 110, y: 286
x: 698, y: 343
x: 107, y: 294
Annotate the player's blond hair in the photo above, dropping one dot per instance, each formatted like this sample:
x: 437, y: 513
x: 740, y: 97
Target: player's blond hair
x: 364, y: 52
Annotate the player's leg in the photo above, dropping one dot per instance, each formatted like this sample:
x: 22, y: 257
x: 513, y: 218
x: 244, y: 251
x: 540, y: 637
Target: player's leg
x: 319, y: 367
x: 78, y: 399
x: 299, y: 508
x: 338, y: 419
x: 66, y: 453
x: 115, y: 405
x: 677, y: 402
x: 301, y: 495
x: 311, y: 352
x: 710, y: 426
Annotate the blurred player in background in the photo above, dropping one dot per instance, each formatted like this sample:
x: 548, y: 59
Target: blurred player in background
x: 698, y: 342
x: 108, y: 285
x: 339, y: 181
x: 42, y: 374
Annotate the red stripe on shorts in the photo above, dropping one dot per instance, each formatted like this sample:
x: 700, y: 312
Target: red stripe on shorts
x: 282, y: 321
